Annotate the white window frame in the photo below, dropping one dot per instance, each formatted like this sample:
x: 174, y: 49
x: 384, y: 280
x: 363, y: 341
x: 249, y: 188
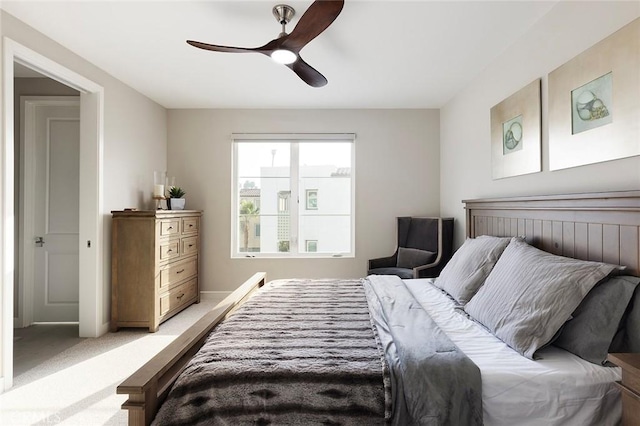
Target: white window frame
x: 308, y: 198
x: 308, y: 242
x: 294, y: 139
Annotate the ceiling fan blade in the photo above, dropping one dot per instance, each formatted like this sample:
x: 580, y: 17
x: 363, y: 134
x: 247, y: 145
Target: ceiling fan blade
x: 307, y: 73
x: 314, y: 21
x: 228, y: 49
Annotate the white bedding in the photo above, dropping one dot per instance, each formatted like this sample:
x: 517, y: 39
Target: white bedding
x: 558, y: 389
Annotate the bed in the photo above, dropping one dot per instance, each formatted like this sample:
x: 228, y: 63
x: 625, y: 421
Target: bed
x: 602, y: 227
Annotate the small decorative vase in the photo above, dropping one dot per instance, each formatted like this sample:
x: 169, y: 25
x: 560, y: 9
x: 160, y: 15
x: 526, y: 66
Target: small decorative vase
x: 176, y: 203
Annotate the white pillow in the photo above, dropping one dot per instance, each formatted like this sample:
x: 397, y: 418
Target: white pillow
x: 530, y: 294
x: 470, y: 265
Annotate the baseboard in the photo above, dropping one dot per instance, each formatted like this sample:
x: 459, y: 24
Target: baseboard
x: 103, y: 329
x: 216, y: 296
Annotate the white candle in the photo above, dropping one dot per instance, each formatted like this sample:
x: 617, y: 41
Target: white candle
x: 158, y: 190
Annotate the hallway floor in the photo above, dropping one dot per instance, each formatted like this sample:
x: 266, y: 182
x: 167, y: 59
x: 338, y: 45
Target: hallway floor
x: 36, y: 344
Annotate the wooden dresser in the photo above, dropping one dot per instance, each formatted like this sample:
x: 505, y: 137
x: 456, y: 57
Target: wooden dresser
x: 629, y: 386
x: 154, y: 266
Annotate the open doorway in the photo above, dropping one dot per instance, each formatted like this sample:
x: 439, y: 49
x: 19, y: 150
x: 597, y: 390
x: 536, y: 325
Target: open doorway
x: 90, y: 228
x: 47, y: 169
x: 47, y: 135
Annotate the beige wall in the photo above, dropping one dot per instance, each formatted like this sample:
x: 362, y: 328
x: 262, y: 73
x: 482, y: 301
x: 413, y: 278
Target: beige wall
x: 397, y: 173
x: 465, y: 153
x: 134, y: 136
x: 134, y: 126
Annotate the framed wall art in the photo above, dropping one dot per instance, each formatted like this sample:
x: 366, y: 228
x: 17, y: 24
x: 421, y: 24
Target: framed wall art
x: 594, y: 103
x: 515, y: 133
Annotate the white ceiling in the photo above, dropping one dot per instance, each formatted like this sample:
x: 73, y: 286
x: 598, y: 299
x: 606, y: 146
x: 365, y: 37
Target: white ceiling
x: 377, y: 54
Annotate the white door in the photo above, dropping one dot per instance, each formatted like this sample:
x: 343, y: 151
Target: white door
x: 56, y: 171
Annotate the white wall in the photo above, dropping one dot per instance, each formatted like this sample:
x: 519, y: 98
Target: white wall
x: 397, y: 173
x: 134, y: 136
x: 465, y: 153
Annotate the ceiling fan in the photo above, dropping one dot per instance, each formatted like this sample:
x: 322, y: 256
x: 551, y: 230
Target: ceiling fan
x: 286, y: 48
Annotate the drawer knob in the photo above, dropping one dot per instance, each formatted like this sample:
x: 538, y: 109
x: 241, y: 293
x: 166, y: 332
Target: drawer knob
x: 171, y: 227
x: 169, y: 250
x: 190, y: 225
x: 190, y: 245
x: 180, y: 271
x: 180, y: 297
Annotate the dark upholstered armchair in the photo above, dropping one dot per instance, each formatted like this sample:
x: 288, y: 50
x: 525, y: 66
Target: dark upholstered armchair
x: 424, y: 246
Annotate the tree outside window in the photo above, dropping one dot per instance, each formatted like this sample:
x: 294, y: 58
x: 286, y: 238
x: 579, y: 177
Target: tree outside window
x: 283, y: 246
x: 248, y: 211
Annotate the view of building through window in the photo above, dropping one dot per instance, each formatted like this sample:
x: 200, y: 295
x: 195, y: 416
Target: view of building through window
x: 312, y: 246
x: 312, y: 199
x: 294, y: 197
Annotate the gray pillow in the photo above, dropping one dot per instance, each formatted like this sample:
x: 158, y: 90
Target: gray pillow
x: 530, y: 294
x: 410, y: 257
x: 627, y: 338
x: 595, y: 322
x: 470, y: 265
x: 633, y: 324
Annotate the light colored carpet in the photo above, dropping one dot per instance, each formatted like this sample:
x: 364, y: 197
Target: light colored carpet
x: 76, y: 385
x: 33, y: 346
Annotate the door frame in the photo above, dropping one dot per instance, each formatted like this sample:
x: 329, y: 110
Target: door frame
x: 26, y: 221
x: 91, y: 292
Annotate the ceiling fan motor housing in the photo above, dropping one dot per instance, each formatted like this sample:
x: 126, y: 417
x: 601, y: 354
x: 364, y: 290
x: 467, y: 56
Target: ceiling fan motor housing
x: 283, y: 13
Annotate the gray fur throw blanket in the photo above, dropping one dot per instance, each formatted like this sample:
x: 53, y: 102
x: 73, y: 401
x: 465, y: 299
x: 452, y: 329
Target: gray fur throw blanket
x: 327, y: 352
x: 299, y: 352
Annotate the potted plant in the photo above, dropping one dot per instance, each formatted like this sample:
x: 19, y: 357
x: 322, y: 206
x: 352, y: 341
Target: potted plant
x: 176, y: 200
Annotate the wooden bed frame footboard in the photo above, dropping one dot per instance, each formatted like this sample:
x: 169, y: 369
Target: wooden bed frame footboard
x: 149, y: 386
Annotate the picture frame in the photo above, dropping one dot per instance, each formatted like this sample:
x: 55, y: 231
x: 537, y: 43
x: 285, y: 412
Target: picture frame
x: 516, y: 134
x: 594, y: 103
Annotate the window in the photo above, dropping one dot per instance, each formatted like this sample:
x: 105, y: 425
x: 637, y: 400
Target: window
x: 312, y: 246
x: 282, y: 177
x: 312, y: 199
x: 283, y: 201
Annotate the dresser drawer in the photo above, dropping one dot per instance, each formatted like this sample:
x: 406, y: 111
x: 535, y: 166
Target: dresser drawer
x: 189, y: 246
x: 169, y: 249
x: 177, y: 272
x: 178, y: 296
x: 190, y: 225
x: 169, y: 227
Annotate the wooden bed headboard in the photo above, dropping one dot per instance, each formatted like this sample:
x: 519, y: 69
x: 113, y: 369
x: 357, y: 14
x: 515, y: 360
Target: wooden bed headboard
x: 603, y: 227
